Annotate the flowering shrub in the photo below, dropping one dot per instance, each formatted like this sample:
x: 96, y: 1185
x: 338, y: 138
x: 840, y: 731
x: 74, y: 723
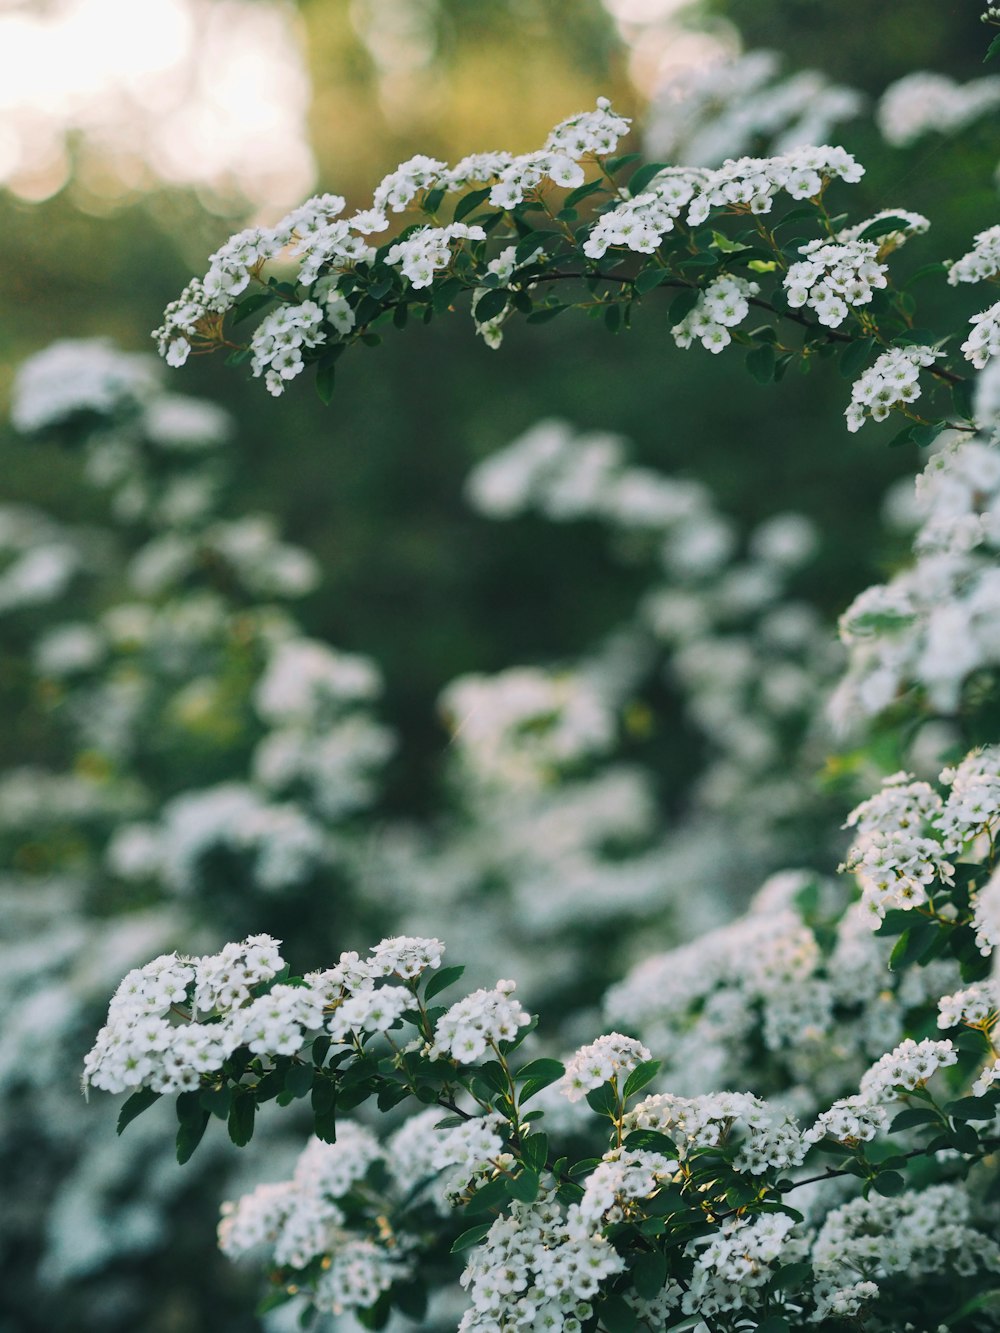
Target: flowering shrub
x: 789, y: 1122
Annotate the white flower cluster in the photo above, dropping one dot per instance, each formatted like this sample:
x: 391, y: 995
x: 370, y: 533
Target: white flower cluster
x: 893, y: 857
x: 428, y: 250
x: 301, y: 1220
x: 706, y: 113
x: 834, y: 277
x: 893, y: 379
x: 911, y: 224
x: 78, y: 375
x: 743, y: 185
x: 179, y: 1018
x: 640, y: 222
x: 327, y: 246
x: 986, y: 918
x: 925, y: 102
x: 278, y: 844
x: 981, y: 263
x: 482, y: 1019
x: 975, y: 1006
x: 723, y: 304
x: 537, y: 1268
x: 609, y: 1057
x: 983, y: 343
x: 915, y: 1234
x: 140, y: 1046
x: 40, y: 559
x: 620, y: 1179
x: 934, y: 624
x: 739, y: 1259
x: 525, y: 724
x: 320, y: 736
x: 766, y: 1139
x: 445, y: 1164
x: 858, y: 1118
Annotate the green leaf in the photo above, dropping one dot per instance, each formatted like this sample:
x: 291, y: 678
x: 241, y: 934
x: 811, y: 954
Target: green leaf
x: 649, y: 1273
x: 961, y: 396
x: 650, y: 1140
x: 410, y: 1298
x: 193, y: 1120
x: 491, y: 1195
x: 650, y: 278
x: 639, y: 1077
x: 432, y: 200
x: 797, y: 215
x: 250, y: 305
x: 139, y: 1101
x: 527, y: 245
x: 525, y: 1187
x: 543, y: 314
x: 642, y: 176
x: 912, y: 944
x: 855, y: 355
x: 491, y: 304
x: 615, y: 164
x: 889, y: 1184
x: 912, y: 1117
x: 972, y: 1108
x: 616, y: 1315
x: 441, y: 980
x: 761, y: 362
x: 274, y: 1299
x: 882, y: 227
x: 791, y: 1277
x: 603, y: 1100
x: 905, y: 436
x: 613, y: 318
x: 922, y: 436
x: 534, y: 1151
x: 400, y: 315
x: 299, y: 1079
x: 325, y: 378
x: 470, y: 1237
x: 470, y: 202
x: 241, y: 1118
x: 583, y: 192
x: 682, y: 305
x: 217, y: 1101
x: 993, y: 49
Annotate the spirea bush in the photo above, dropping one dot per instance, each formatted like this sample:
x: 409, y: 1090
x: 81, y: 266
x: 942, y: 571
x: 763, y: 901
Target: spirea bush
x: 789, y: 1122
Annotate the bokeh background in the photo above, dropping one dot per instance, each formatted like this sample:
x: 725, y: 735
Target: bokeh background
x: 134, y: 138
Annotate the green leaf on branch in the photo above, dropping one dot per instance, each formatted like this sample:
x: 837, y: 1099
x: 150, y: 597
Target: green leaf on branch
x: 972, y: 1108
x: 682, y: 305
x: 992, y: 50
x: 615, y: 164
x: 905, y: 436
x: 299, y: 1079
x: 650, y: 1140
x: 852, y: 362
x: 912, y: 1117
x: 650, y: 278
x: 491, y: 304
x: 616, y: 1315
x: 535, y: 1151
x: 545, y: 313
x: 538, y: 1074
x: 642, y: 176
x: 639, y: 1077
x: 525, y: 1187
x: 241, y: 1118
x: 912, y: 944
x: 889, y: 1184
x: 761, y: 362
x: 470, y: 202
x: 470, y: 1237
x: 325, y: 379
x: 139, y: 1101
x: 603, y: 1100
x: 961, y: 396
x: 773, y: 1323
x: 583, y: 192
x: 193, y: 1120
x: 217, y: 1101
x: 649, y: 1273
x: 923, y: 436
x: 494, y: 1194
x: 441, y: 980
x: 250, y: 305
x: 792, y: 1277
